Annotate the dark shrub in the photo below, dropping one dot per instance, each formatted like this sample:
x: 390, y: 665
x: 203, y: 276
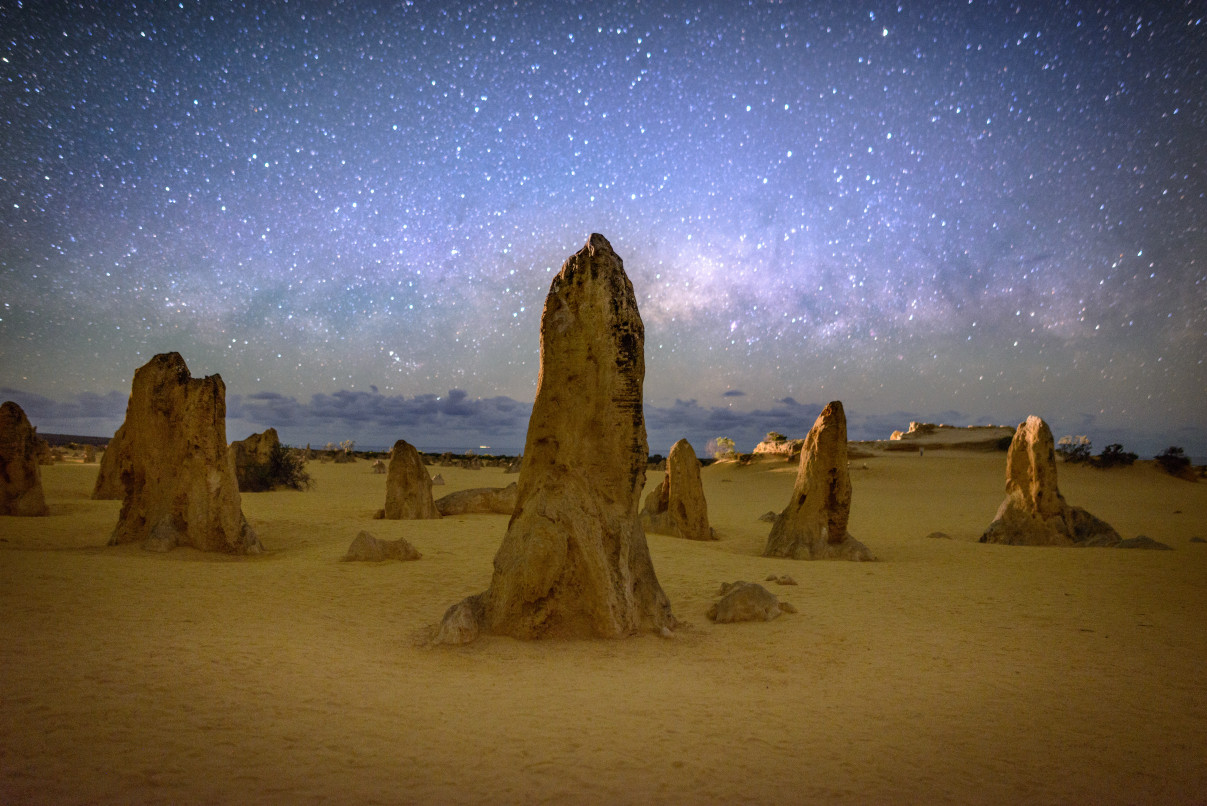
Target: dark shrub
x: 1113, y: 455
x: 284, y: 468
x: 1173, y: 460
x: 1074, y: 450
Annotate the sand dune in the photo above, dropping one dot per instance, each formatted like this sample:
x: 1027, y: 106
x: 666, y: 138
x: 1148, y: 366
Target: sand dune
x: 948, y: 672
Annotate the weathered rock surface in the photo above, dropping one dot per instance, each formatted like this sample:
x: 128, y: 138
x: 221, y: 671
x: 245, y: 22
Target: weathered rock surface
x: 574, y: 561
x: 408, y: 486
x: 366, y: 547
x: 250, y: 456
x: 1034, y: 512
x: 20, y: 476
x: 108, y: 486
x: 677, y: 506
x: 746, y: 601
x: 814, y: 524
x: 499, y: 500
x: 179, y: 483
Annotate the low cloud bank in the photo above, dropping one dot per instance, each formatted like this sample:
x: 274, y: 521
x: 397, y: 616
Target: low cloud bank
x: 458, y: 422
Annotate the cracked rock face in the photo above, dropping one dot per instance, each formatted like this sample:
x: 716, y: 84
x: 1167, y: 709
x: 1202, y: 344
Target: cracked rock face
x: 814, y: 524
x: 574, y: 561
x: 178, y: 480
x: 1034, y: 512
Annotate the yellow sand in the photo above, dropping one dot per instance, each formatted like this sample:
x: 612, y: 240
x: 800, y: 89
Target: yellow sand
x: 948, y: 672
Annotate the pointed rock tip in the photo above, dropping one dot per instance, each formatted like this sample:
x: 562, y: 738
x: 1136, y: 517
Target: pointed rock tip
x: 597, y: 241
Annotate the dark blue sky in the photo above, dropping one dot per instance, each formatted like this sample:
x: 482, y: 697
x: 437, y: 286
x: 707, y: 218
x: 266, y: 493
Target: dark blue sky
x: 969, y: 211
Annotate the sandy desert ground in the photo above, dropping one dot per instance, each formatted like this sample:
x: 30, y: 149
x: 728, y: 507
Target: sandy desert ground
x: 947, y: 672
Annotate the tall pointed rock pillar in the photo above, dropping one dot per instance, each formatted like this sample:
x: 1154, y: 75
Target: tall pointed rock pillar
x: 814, y: 524
x: 1034, y: 512
x: 574, y: 561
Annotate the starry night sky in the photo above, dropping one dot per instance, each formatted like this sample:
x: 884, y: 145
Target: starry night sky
x: 964, y: 212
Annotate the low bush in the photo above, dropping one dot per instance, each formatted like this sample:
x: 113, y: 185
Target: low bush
x: 1113, y: 455
x: 284, y: 468
x: 1173, y: 460
x: 1074, y: 450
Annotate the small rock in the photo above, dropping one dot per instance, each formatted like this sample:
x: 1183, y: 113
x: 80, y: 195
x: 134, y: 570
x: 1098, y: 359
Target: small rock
x: 745, y: 601
x: 768, y: 517
x: 368, y: 548
x: 940, y: 535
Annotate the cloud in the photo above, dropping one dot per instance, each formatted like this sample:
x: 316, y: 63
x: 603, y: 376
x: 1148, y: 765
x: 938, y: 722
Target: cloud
x: 733, y: 393
x: 85, y: 414
x: 454, y: 421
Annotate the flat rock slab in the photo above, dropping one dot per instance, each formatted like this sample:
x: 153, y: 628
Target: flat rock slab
x: 746, y: 601
x: 367, y: 548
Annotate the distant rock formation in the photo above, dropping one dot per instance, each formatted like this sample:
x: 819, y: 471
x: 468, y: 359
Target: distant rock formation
x: 1034, y: 512
x: 779, y: 447
x: 574, y: 561
x: 408, y: 486
x: 108, y: 486
x: 89, y: 454
x: 498, y: 500
x: 180, y: 487
x: 814, y: 524
x: 438, y: 480
x: 379, y: 467
x: 931, y: 435
x: 514, y: 465
x: 251, y: 457
x: 746, y: 601
x: 368, y: 548
x: 677, y: 506
x: 20, y: 476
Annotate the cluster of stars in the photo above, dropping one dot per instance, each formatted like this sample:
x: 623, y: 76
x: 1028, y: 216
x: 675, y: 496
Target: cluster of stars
x: 928, y: 207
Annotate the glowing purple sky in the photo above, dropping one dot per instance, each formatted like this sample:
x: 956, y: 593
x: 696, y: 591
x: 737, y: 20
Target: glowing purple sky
x: 966, y: 211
